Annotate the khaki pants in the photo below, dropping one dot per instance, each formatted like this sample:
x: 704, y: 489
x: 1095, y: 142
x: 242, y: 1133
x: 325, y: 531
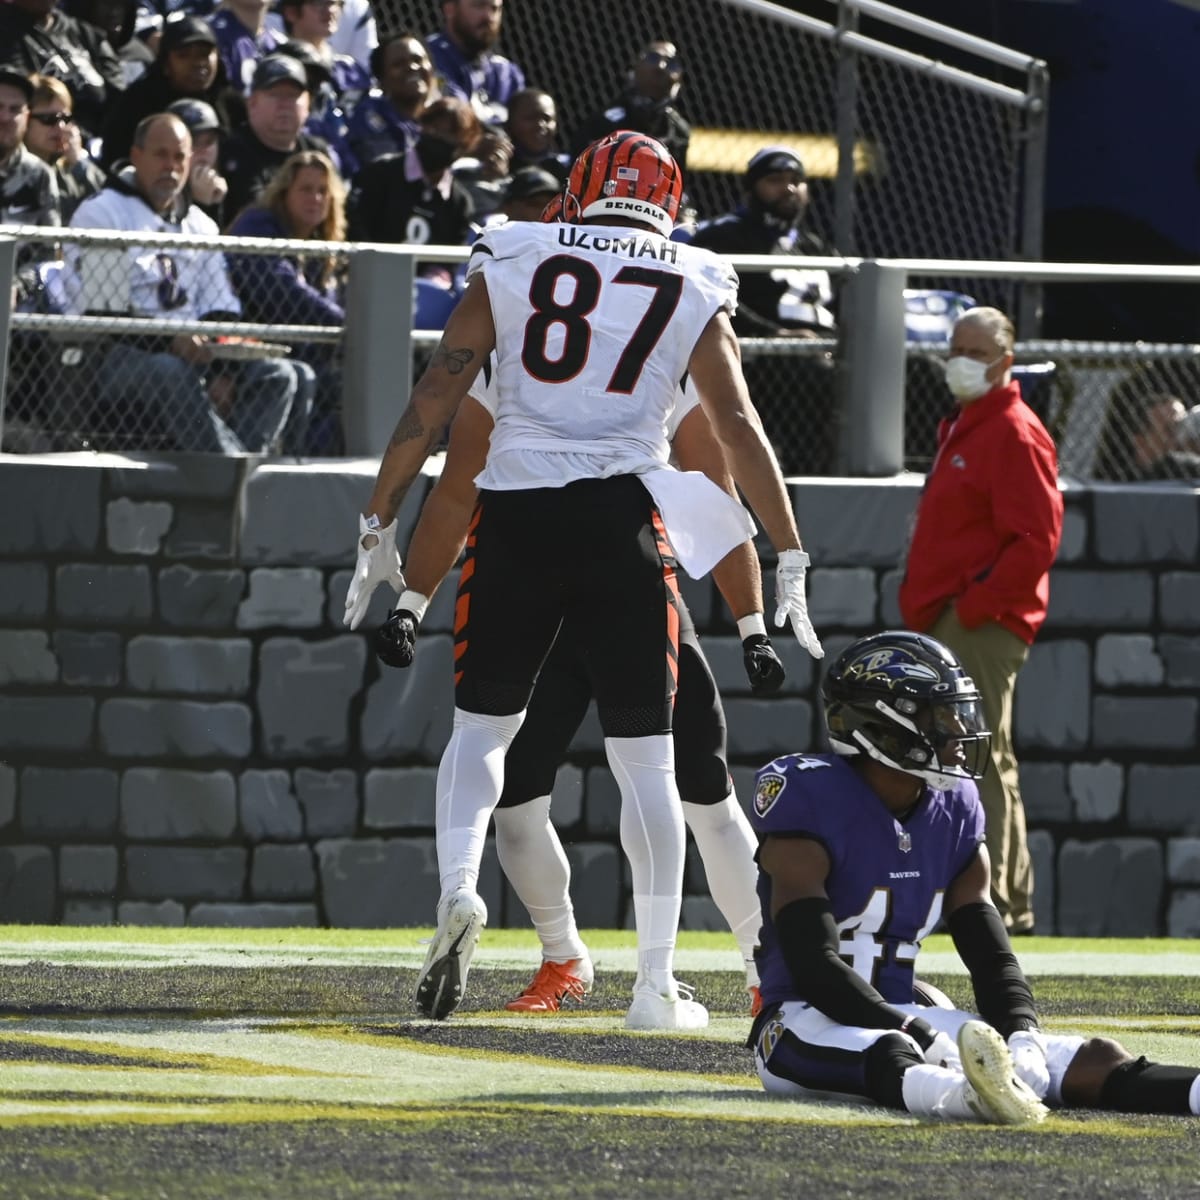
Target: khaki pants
x: 992, y: 657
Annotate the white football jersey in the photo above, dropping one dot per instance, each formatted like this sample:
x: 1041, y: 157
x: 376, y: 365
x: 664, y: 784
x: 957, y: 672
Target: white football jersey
x: 484, y: 390
x: 595, y: 326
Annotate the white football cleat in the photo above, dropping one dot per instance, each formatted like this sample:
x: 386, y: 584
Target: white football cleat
x: 993, y: 1091
x: 443, y: 978
x: 674, y: 1009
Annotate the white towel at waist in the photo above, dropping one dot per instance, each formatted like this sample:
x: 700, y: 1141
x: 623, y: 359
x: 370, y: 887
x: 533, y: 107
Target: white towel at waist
x: 703, y: 522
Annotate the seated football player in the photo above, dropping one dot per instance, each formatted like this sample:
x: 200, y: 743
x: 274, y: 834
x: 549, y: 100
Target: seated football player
x: 863, y: 852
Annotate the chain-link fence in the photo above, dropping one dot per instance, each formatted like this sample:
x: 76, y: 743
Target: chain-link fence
x: 83, y: 372
x: 941, y: 170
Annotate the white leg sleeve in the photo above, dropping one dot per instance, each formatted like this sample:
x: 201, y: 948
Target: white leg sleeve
x: 727, y: 845
x: 470, y: 779
x: 532, y: 858
x: 936, y: 1092
x: 653, y: 838
x: 1060, y: 1050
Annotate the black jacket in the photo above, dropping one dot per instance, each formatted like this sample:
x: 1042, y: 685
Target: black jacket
x: 151, y: 94
x: 662, y: 122
x: 759, y: 292
x: 248, y: 165
x: 388, y: 207
x: 70, y: 50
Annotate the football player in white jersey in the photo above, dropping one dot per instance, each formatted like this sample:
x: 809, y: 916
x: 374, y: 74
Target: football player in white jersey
x: 527, y: 844
x: 594, y: 325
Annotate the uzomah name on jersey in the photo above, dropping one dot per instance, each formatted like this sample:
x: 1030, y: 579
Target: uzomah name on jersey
x: 633, y: 246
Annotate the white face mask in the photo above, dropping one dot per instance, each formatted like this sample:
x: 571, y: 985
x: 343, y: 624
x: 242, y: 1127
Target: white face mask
x: 967, y: 378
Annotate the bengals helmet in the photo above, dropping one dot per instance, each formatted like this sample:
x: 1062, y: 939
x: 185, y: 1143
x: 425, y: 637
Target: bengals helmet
x: 625, y: 174
x: 553, y: 212
x: 904, y: 700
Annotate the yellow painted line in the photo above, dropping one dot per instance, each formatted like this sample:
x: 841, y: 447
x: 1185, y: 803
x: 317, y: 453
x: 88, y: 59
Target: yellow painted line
x: 140, y: 1058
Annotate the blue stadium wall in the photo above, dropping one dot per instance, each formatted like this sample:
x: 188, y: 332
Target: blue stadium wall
x: 189, y: 736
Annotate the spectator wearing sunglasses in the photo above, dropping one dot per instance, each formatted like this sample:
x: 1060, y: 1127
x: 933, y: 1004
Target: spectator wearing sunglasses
x: 28, y: 187
x: 54, y: 136
x: 166, y: 385
x: 647, y: 104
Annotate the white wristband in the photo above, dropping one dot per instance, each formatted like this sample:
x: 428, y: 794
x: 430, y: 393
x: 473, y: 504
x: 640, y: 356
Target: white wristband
x: 414, y: 603
x: 753, y: 623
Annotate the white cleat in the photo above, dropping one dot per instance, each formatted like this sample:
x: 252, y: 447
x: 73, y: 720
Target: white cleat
x: 443, y: 978
x: 993, y: 1091
x: 674, y: 1009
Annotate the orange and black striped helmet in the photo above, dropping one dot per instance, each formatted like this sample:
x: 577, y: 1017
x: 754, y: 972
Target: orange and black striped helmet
x: 553, y: 212
x: 625, y: 174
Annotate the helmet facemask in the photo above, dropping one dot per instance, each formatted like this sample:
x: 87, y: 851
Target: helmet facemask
x: 939, y: 743
x: 890, y: 699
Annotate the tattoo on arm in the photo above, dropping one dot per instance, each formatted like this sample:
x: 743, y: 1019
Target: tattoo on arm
x: 409, y: 427
x: 454, y: 361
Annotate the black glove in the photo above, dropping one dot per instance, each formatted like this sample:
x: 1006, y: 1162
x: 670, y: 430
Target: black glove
x: 764, y: 668
x: 396, y: 639
x: 920, y: 1031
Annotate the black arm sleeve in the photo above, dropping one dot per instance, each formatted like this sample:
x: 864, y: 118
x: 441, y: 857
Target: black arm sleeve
x: 1002, y: 993
x: 808, y: 938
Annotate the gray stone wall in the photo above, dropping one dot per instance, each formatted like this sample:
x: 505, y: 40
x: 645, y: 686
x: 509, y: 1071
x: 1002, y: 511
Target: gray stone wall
x: 188, y: 735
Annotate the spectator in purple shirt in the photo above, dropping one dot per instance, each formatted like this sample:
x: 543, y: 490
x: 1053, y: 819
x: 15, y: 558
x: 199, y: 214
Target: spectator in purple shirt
x: 242, y: 39
x: 467, y: 68
x: 304, y: 200
x: 315, y: 22
x: 386, y: 121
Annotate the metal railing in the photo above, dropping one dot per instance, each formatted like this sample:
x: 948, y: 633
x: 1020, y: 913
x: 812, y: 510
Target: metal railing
x: 865, y: 403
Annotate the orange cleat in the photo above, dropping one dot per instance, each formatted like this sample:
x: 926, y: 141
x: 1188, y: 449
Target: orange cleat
x: 553, y: 984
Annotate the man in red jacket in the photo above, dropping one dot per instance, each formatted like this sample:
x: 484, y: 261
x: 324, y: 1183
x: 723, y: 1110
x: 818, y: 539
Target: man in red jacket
x: 986, y: 532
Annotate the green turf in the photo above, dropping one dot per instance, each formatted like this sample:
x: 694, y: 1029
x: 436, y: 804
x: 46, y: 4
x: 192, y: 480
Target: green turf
x: 228, y: 1063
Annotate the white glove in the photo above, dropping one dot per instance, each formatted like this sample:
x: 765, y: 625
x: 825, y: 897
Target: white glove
x: 943, y: 1052
x: 790, y: 601
x: 378, y: 562
x: 1028, y: 1050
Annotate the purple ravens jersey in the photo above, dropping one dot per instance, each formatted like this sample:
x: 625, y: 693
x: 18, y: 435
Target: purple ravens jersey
x: 886, y: 878
x: 376, y: 129
x: 240, y: 48
x: 485, y: 82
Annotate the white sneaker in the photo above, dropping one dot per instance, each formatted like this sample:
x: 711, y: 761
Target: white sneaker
x: 443, y: 978
x: 674, y: 1009
x: 993, y: 1091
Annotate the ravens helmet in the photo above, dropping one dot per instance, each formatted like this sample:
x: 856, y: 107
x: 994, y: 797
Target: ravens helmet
x: 625, y: 174
x: 904, y: 700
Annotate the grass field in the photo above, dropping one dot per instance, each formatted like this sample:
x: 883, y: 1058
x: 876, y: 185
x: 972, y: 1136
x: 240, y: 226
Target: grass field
x: 239, y: 1063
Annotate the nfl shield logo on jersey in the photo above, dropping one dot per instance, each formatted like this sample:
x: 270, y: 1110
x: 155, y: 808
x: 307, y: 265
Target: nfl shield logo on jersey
x: 770, y: 785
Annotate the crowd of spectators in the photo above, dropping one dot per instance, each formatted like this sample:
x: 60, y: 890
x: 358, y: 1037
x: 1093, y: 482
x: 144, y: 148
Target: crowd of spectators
x: 420, y: 137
